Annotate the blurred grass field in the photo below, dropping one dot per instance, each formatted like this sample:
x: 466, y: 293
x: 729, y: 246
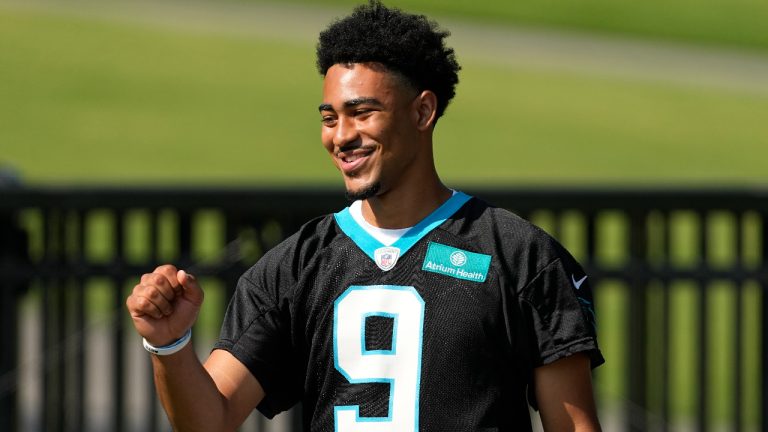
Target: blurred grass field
x: 93, y: 101
x: 739, y: 22
x: 84, y: 100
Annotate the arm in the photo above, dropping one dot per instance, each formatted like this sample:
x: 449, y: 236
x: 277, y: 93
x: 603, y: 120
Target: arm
x: 217, y: 396
x: 564, y: 395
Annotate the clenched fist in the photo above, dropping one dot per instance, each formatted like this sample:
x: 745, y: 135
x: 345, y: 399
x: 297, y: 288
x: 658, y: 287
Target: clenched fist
x: 165, y: 304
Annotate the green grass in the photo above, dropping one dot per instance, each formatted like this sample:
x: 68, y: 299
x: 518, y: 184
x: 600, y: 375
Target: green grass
x: 86, y: 101
x: 729, y: 22
x: 559, y: 127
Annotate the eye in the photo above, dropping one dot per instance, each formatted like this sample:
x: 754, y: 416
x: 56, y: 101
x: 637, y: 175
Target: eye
x: 363, y: 112
x: 328, y: 120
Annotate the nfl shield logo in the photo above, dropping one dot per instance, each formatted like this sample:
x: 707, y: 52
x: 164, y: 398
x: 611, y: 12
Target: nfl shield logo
x: 386, y: 257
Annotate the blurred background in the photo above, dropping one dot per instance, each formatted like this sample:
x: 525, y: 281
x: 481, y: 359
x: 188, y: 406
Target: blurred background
x: 224, y: 94
x: 595, y: 91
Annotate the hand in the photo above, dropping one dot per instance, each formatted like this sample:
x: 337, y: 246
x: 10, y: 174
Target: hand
x: 165, y: 304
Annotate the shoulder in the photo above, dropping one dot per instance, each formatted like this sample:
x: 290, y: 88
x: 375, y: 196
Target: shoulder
x: 500, y: 222
x: 283, y: 263
x: 522, y: 247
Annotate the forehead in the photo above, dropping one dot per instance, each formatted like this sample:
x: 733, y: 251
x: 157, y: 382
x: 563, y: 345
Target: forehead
x: 345, y: 82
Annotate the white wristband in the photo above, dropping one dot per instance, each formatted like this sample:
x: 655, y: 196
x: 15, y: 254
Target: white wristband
x: 169, y: 349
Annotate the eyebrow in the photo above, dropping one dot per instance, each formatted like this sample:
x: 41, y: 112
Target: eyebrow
x: 352, y: 103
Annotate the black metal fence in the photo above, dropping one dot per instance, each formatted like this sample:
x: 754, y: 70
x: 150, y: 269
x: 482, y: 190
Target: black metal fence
x: 680, y: 281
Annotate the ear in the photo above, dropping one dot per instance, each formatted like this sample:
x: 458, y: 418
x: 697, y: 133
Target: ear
x: 425, y: 110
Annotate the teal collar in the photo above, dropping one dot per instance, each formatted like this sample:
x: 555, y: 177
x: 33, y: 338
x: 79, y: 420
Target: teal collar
x: 368, y: 244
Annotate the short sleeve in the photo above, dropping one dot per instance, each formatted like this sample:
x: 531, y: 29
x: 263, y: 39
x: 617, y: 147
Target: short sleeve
x: 558, y: 308
x: 256, y: 331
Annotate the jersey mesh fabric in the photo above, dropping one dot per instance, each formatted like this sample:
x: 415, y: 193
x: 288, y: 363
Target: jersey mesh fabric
x: 480, y: 341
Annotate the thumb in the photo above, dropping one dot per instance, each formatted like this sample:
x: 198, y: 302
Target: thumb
x: 192, y: 290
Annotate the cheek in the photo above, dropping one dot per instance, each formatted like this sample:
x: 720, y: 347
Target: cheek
x: 326, y: 137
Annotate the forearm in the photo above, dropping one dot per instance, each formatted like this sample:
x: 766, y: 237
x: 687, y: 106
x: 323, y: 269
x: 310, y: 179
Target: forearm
x: 189, y: 394
x: 565, y: 397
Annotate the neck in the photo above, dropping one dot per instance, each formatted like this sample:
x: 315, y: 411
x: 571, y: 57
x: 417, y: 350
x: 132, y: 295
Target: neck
x: 405, y: 207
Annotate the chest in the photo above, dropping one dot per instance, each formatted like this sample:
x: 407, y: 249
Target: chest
x: 345, y: 298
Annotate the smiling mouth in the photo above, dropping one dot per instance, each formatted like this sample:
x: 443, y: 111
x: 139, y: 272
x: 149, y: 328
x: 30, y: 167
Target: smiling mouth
x: 352, y: 159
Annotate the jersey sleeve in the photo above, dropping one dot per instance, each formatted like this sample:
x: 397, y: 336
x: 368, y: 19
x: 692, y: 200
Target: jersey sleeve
x: 256, y: 330
x: 557, y: 305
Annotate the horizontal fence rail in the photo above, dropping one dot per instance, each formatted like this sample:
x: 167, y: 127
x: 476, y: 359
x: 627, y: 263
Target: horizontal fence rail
x: 680, y: 279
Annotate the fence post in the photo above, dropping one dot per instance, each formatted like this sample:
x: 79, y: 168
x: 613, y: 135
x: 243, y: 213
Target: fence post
x: 13, y: 254
x: 763, y: 283
x: 638, y: 281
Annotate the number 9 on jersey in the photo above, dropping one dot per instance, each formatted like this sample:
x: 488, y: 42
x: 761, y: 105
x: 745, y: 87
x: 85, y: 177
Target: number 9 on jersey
x: 399, y: 366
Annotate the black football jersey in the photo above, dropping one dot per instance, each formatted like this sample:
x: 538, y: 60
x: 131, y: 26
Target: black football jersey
x: 440, y: 331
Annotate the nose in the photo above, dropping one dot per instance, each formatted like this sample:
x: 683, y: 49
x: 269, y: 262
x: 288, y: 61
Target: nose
x: 346, y: 132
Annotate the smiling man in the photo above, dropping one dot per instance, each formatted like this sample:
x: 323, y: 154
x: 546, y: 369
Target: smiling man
x: 417, y: 308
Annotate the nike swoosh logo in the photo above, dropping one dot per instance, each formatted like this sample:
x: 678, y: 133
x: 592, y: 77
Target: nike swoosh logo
x: 577, y: 283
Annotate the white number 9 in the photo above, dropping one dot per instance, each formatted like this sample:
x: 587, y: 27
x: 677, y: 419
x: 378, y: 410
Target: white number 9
x: 400, y: 367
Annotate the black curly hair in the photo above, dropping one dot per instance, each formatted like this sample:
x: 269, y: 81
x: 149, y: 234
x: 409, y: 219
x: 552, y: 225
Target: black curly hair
x: 410, y: 45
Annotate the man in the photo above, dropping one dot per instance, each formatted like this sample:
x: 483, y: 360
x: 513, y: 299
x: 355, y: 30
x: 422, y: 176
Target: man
x: 416, y: 308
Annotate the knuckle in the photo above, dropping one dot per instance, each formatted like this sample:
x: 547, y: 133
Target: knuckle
x: 143, y: 303
x: 166, y: 268
x: 156, y: 279
x: 155, y: 295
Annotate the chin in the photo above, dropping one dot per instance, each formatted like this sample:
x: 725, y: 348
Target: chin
x: 363, y: 192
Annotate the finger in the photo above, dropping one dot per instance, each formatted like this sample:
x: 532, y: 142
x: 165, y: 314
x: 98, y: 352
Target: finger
x: 170, y: 271
x: 156, y: 296
x: 162, y: 284
x: 192, y: 290
x: 140, y: 306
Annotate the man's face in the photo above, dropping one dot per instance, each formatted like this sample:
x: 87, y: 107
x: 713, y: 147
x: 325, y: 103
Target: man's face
x: 368, y: 127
